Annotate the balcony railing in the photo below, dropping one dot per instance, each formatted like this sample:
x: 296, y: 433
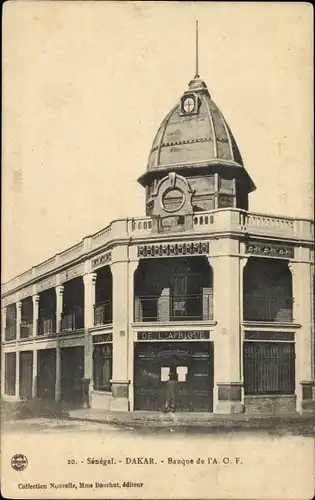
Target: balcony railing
x: 26, y: 329
x: 10, y: 332
x: 268, y: 309
x: 103, y: 313
x: 46, y: 325
x: 73, y: 320
x: 174, y: 308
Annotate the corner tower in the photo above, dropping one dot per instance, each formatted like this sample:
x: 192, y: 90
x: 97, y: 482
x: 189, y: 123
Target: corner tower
x: 194, y: 164
x: 195, y: 142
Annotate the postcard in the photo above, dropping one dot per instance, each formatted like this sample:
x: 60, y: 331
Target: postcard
x: 157, y: 297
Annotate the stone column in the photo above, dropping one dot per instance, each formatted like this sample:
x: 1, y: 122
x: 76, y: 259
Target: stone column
x: 35, y: 313
x: 18, y: 320
x: 302, y: 315
x: 164, y: 305
x: 17, y: 374
x: 34, y: 381
x: 59, y: 300
x: 228, y: 341
x: 89, y: 280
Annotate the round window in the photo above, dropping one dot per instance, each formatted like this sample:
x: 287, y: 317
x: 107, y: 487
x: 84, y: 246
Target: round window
x: 189, y: 104
x: 173, y: 200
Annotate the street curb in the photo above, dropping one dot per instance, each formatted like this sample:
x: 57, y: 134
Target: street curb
x: 220, y: 424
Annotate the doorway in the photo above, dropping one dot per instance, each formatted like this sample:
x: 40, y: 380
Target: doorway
x: 193, y: 364
x: 46, y: 374
x: 72, y: 372
x: 26, y: 374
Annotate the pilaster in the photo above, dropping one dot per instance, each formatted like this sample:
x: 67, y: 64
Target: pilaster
x: 59, y: 300
x: 132, y: 267
x: 18, y: 320
x: 120, y: 379
x: 302, y: 314
x: 227, y: 313
x: 17, y: 374
x: 34, y: 375
x: 35, y: 313
x: 123, y: 313
x: 89, y: 280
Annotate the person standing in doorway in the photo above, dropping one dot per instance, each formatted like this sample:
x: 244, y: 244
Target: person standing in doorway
x: 171, y: 390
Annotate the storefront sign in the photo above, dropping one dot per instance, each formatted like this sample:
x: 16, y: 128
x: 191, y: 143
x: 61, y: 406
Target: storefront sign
x: 104, y: 337
x: 198, y: 335
x: 269, y: 249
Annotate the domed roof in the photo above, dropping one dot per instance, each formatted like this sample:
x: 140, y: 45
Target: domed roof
x: 194, y: 134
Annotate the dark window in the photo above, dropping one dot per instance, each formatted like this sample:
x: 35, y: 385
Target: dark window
x: 10, y: 327
x: 10, y: 373
x: 267, y: 291
x: 269, y: 368
x: 225, y: 201
x: 102, y: 366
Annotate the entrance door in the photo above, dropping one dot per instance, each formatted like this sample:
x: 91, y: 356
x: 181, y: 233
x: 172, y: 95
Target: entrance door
x: 193, y: 363
x: 72, y: 372
x: 46, y: 373
x: 26, y: 374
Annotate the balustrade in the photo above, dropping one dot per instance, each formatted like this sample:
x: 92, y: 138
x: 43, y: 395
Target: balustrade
x: 266, y: 223
x: 215, y: 220
x: 157, y: 308
x: 143, y: 225
x: 203, y: 219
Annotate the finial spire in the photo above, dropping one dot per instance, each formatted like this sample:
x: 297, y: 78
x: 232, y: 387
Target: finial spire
x: 197, y: 52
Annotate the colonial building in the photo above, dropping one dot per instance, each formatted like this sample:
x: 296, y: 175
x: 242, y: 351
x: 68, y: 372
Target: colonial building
x: 200, y: 284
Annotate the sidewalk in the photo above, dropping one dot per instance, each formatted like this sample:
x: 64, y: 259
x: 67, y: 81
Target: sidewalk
x: 207, y: 420
x: 292, y: 422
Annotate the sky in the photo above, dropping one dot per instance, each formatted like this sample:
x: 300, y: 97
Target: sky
x: 87, y: 84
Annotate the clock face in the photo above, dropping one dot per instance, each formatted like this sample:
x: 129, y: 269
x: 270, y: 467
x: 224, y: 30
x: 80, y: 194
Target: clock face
x: 189, y: 104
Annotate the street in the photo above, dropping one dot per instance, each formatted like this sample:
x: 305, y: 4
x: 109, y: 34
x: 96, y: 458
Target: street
x: 87, y: 457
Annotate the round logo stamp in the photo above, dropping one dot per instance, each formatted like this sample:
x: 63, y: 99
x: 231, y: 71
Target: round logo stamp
x: 19, y: 462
